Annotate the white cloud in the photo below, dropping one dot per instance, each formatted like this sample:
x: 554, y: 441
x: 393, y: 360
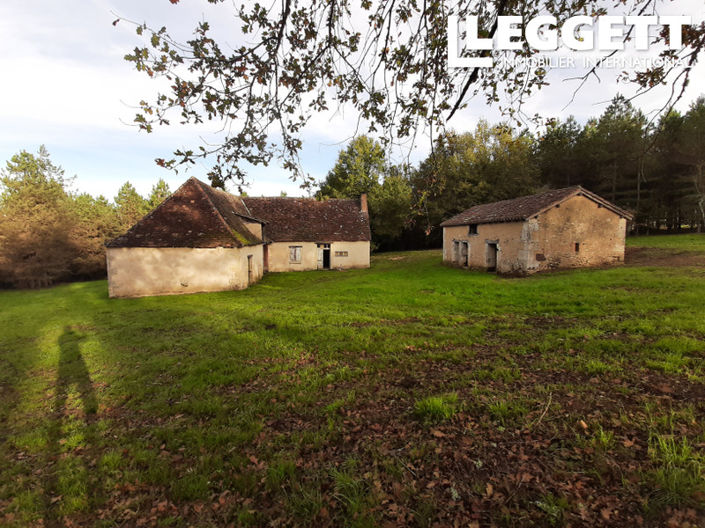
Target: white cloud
x: 67, y: 85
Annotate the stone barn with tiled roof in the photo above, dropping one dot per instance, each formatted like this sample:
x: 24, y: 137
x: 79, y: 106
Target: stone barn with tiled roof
x: 305, y: 234
x: 204, y: 239
x: 563, y: 228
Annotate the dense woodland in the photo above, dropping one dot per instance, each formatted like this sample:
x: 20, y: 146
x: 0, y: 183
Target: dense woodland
x: 655, y: 169
x: 50, y: 233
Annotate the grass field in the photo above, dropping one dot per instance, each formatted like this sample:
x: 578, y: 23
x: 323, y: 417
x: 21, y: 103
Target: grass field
x: 691, y: 243
x: 409, y: 394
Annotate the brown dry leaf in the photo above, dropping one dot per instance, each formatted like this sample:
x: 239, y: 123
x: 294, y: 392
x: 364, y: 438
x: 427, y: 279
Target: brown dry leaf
x: 489, y: 490
x: 605, y: 513
x: 582, y: 424
x: 627, y: 442
x: 437, y: 433
x: 674, y: 522
x: 397, y: 489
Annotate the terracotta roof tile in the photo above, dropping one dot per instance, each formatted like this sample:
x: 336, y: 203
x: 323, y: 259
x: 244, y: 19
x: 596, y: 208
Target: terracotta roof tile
x: 519, y: 209
x: 309, y: 220
x: 196, y: 215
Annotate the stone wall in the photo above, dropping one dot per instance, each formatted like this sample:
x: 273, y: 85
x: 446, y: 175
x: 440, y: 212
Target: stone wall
x: 511, y: 257
x: 138, y: 272
x: 579, y: 233
x: 358, y: 256
x: 576, y: 233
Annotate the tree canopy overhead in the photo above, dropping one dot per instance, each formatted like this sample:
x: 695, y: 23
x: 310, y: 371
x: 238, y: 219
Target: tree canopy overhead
x: 387, y: 59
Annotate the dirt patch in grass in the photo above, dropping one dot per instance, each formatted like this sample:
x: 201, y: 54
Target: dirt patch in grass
x: 518, y: 456
x: 648, y: 256
x: 544, y: 321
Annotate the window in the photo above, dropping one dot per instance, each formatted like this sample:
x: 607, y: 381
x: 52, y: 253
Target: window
x: 472, y: 229
x: 295, y: 254
x: 341, y: 253
x: 577, y: 247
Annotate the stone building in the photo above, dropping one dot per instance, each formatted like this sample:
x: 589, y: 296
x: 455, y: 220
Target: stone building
x: 563, y: 228
x: 304, y: 234
x: 202, y: 239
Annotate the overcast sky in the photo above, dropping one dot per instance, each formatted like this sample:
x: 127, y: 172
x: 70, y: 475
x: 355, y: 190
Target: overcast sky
x: 66, y: 85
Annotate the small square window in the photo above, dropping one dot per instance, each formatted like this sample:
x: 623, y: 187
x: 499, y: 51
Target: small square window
x: 295, y: 254
x: 472, y: 229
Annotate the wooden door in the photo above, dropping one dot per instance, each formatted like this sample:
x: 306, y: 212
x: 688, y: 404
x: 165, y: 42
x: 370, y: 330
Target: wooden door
x: 491, y: 256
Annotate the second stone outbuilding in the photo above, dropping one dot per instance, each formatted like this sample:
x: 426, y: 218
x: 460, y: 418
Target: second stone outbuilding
x: 563, y: 228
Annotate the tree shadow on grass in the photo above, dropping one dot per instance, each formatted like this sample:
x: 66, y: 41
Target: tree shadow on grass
x: 72, y: 475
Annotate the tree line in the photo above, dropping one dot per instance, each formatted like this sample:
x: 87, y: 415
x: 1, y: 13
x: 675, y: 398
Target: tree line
x: 654, y: 169
x: 49, y: 233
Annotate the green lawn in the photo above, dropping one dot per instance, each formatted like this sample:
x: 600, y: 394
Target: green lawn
x: 410, y: 394
x: 689, y: 242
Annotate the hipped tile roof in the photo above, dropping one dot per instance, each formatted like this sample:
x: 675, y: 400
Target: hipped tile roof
x: 309, y: 220
x: 520, y: 209
x: 196, y: 216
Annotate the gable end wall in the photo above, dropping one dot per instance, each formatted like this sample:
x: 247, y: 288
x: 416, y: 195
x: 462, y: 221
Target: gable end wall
x: 600, y: 232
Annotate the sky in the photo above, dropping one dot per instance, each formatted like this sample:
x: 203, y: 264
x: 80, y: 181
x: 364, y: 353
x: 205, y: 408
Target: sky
x: 66, y: 85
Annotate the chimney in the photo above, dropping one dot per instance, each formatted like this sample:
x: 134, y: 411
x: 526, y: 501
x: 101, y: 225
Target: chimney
x: 363, y: 202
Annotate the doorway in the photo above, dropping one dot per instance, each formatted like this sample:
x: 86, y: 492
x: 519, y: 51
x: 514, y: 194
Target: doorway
x: 464, y: 254
x: 250, y: 271
x: 492, y: 256
x: 323, y: 256
x: 265, y: 258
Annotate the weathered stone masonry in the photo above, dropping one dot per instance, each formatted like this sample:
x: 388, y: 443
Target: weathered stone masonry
x: 566, y: 228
